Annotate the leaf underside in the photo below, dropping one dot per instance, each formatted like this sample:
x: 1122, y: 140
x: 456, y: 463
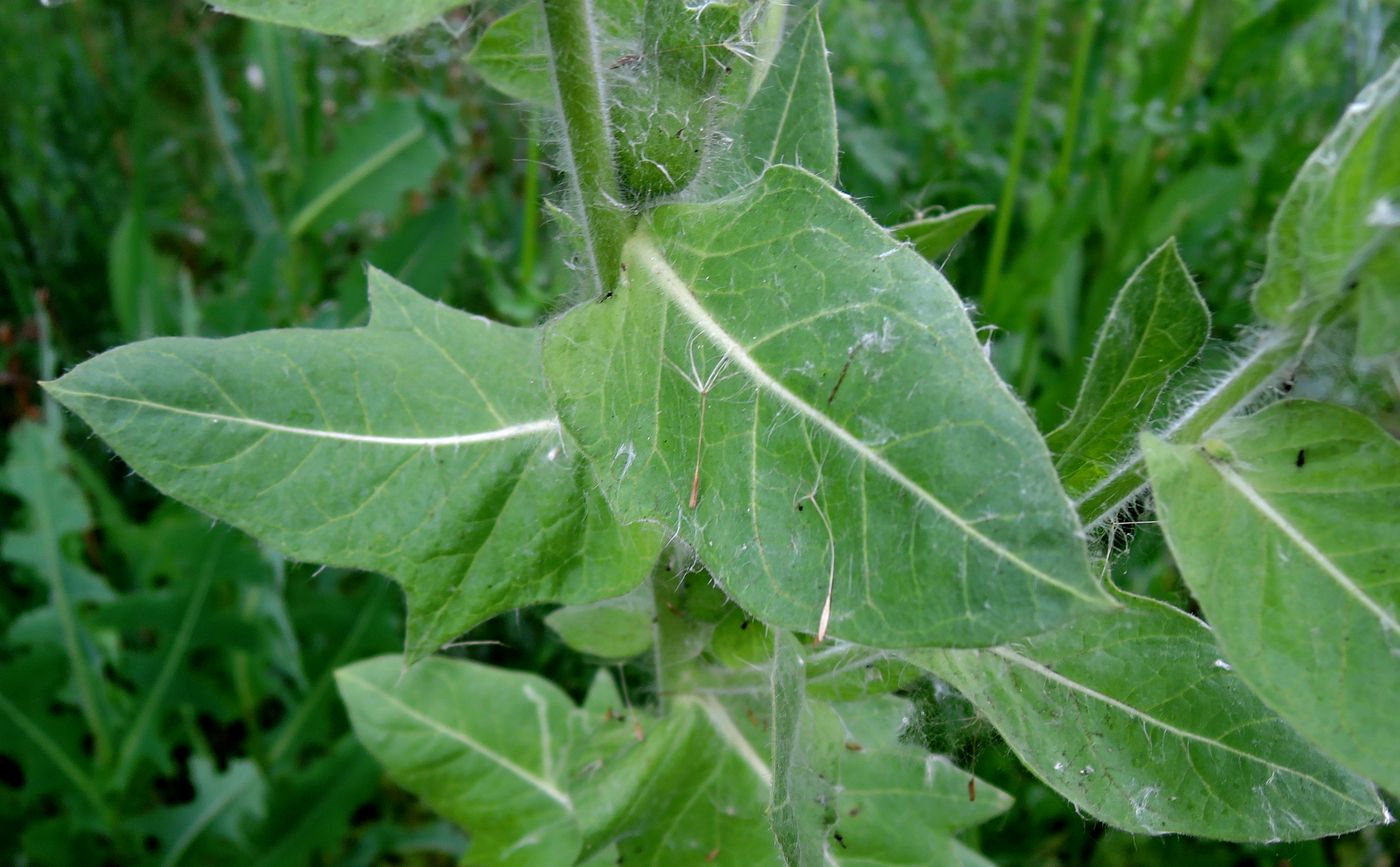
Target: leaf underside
x: 1133, y: 717
x: 1289, y: 543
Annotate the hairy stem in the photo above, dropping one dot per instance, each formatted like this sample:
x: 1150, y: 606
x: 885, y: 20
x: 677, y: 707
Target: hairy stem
x: 587, y: 149
x: 1272, y: 359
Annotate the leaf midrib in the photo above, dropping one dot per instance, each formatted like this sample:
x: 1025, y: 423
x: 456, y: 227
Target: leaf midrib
x: 1074, y: 685
x: 345, y: 676
x: 522, y: 429
x: 318, y: 204
x: 1300, y: 541
x: 675, y: 289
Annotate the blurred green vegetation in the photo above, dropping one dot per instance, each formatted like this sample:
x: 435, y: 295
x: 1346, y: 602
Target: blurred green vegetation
x: 169, y: 170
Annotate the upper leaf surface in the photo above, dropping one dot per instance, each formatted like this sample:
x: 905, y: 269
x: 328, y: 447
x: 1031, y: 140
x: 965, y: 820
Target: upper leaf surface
x: 694, y: 791
x: 854, y: 435
x: 512, y: 55
x: 935, y: 236
x: 357, y: 19
x: 1133, y: 717
x: 422, y: 446
x: 486, y: 748
x: 379, y: 157
x: 791, y: 119
x: 1289, y: 542
x: 1378, y: 305
x: 799, y: 790
x: 897, y: 803
x: 1157, y: 326
x: 1343, y: 208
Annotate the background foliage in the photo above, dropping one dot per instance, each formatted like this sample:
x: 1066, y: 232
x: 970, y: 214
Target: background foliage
x: 168, y: 170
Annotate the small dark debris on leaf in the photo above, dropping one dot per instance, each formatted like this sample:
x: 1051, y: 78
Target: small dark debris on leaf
x: 1302, y: 458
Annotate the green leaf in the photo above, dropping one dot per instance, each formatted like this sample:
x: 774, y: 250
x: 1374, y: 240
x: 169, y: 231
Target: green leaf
x: 965, y: 856
x: 1133, y: 717
x: 511, y: 55
x: 353, y: 625
x: 1378, y: 305
x: 421, y: 446
x: 46, y: 746
x: 1343, y: 207
x: 845, y: 672
x: 1287, y: 536
x: 706, y: 800
x: 853, y: 456
x: 897, y: 803
x: 740, y: 642
x: 225, y: 806
x: 365, y: 22
x: 379, y: 157
x: 617, y: 628
x: 142, y: 282
x: 37, y: 473
x: 172, y: 627
x: 425, y: 253
x: 1157, y: 326
x: 485, y: 748
x: 791, y: 119
x: 238, y: 161
x: 818, y: 764
x: 312, y: 811
x: 798, y: 792
x: 935, y: 237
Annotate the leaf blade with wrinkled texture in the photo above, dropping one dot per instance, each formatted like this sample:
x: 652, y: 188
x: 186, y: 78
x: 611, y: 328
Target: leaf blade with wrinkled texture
x: 1287, y: 539
x: 1131, y: 716
x: 856, y: 435
x: 421, y: 446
